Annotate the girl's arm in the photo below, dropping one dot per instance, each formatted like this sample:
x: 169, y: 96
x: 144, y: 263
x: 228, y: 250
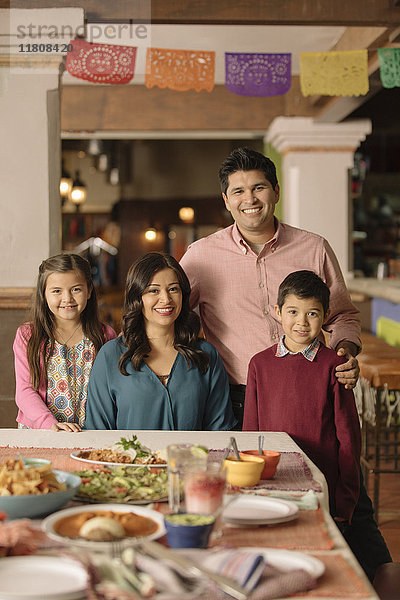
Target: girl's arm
x: 33, y: 411
x: 109, y: 333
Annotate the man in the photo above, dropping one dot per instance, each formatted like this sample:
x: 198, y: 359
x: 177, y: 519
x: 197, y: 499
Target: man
x: 235, y: 275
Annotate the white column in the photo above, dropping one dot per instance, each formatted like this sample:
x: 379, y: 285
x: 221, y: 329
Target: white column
x: 30, y: 224
x: 316, y: 158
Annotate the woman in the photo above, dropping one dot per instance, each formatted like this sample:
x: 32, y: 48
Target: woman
x: 158, y: 374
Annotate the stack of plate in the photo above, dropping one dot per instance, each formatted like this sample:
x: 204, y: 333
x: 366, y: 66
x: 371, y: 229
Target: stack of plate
x: 247, y: 511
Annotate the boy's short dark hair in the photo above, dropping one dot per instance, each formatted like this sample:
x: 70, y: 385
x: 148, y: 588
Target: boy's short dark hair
x: 246, y: 159
x: 304, y: 284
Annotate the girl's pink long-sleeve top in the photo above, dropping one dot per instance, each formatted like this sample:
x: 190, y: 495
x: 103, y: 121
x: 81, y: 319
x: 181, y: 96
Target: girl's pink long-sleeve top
x: 33, y: 411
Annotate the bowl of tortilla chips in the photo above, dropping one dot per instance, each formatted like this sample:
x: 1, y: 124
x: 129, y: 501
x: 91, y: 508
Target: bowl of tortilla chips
x: 29, y: 491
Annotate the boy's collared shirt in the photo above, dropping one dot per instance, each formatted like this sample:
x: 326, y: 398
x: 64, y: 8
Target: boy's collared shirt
x: 309, y: 353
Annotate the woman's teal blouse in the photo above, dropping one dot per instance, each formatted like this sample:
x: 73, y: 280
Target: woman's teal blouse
x: 189, y: 401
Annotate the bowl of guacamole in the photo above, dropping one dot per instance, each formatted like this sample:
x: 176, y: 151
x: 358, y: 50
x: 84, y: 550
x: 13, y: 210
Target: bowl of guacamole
x: 187, y: 530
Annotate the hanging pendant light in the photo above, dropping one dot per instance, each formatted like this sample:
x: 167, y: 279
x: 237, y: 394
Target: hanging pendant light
x: 78, y: 191
x: 150, y: 234
x: 65, y: 184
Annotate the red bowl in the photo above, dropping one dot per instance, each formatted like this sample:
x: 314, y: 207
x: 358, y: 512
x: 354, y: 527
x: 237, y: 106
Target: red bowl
x: 271, y: 460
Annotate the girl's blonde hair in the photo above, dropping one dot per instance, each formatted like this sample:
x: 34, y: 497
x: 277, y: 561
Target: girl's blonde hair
x: 42, y: 324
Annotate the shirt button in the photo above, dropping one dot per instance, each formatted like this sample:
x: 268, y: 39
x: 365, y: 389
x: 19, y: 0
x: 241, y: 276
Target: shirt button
x: 261, y: 285
x: 259, y: 260
x: 265, y: 312
x: 244, y: 250
x: 273, y: 249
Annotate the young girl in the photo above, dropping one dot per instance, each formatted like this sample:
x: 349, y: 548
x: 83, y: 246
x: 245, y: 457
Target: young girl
x: 54, y: 353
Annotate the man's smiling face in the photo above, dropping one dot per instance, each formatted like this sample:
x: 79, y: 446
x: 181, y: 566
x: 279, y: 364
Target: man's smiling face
x: 251, y: 199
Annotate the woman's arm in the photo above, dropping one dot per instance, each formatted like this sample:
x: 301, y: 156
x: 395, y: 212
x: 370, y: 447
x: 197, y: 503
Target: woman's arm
x: 33, y: 411
x: 219, y: 414
x: 100, y: 405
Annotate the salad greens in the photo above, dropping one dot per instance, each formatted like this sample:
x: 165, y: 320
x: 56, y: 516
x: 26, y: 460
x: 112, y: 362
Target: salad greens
x: 123, y: 484
x: 134, y: 444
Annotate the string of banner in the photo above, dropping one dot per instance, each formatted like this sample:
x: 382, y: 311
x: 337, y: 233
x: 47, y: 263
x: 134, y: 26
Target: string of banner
x: 246, y: 74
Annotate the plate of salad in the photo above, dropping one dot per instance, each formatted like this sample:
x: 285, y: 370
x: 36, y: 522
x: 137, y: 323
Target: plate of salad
x: 126, y: 452
x: 123, y: 485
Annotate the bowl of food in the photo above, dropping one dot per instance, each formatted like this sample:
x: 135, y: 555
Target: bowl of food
x: 245, y: 472
x: 271, y: 460
x: 96, y: 527
x: 34, y: 491
x: 186, y: 530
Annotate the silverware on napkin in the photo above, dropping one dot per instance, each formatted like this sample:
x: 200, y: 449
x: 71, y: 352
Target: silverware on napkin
x: 224, y: 583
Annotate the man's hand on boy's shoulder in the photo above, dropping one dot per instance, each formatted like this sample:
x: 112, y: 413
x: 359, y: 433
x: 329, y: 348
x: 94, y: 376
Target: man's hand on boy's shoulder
x: 348, y: 372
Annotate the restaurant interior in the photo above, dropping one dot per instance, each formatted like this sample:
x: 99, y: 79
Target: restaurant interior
x: 143, y: 161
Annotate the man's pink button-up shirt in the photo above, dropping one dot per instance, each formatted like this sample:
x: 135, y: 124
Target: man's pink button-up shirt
x: 236, y: 290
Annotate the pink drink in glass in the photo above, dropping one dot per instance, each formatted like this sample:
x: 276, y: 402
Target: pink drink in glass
x: 204, y: 491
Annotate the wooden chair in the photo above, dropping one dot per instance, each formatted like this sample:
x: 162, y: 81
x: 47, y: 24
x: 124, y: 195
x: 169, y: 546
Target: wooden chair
x: 380, y: 412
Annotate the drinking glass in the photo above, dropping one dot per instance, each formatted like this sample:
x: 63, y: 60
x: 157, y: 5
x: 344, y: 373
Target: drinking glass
x: 181, y: 459
x: 204, y: 492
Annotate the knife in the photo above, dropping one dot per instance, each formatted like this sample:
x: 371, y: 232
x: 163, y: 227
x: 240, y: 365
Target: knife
x: 229, y: 586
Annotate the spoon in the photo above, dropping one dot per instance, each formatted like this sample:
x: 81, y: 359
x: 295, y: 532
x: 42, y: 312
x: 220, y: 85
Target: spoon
x: 235, y: 448
x: 260, y: 444
x: 227, y: 450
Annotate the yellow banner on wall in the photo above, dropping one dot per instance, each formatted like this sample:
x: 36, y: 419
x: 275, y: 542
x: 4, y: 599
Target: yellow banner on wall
x: 334, y: 73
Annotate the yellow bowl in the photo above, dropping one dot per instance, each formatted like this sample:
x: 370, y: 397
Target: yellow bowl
x: 244, y: 473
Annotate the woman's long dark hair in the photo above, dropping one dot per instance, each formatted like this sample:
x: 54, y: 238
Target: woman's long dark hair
x: 42, y: 325
x: 187, y: 324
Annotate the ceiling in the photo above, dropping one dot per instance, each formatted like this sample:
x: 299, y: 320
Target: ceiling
x: 290, y: 26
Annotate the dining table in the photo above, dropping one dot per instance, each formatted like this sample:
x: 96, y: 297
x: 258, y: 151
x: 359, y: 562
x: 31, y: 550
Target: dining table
x: 313, y: 533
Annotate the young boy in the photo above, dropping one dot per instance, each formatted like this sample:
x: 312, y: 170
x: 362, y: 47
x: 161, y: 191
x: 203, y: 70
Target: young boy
x: 292, y: 387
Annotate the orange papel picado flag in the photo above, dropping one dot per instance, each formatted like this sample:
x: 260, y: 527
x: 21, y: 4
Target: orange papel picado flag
x: 180, y: 70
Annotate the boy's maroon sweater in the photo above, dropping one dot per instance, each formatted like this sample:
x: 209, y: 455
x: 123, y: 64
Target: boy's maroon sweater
x: 304, y: 398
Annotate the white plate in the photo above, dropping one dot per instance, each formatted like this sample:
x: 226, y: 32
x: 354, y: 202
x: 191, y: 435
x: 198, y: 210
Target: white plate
x: 39, y: 577
x: 287, y: 560
x: 257, y: 510
x: 49, y: 522
x: 75, y: 456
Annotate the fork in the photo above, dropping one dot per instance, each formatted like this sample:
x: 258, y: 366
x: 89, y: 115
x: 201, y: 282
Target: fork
x: 116, y: 549
x: 126, y: 570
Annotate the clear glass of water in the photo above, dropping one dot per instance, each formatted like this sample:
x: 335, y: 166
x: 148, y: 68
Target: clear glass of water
x: 181, y: 459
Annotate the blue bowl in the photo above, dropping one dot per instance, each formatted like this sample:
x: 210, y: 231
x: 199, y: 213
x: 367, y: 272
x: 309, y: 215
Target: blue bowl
x: 184, y: 535
x: 36, y: 462
x: 34, y: 506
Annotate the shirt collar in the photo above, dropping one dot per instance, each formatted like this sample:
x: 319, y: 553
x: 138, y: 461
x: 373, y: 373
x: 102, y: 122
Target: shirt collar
x: 244, y: 246
x: 309, y: 353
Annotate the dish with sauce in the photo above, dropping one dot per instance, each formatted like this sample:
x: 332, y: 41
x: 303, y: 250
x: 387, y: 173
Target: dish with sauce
x: 138, y: 523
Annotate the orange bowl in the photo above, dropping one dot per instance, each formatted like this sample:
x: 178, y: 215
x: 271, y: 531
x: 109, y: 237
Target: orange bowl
x: 271, y: 460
